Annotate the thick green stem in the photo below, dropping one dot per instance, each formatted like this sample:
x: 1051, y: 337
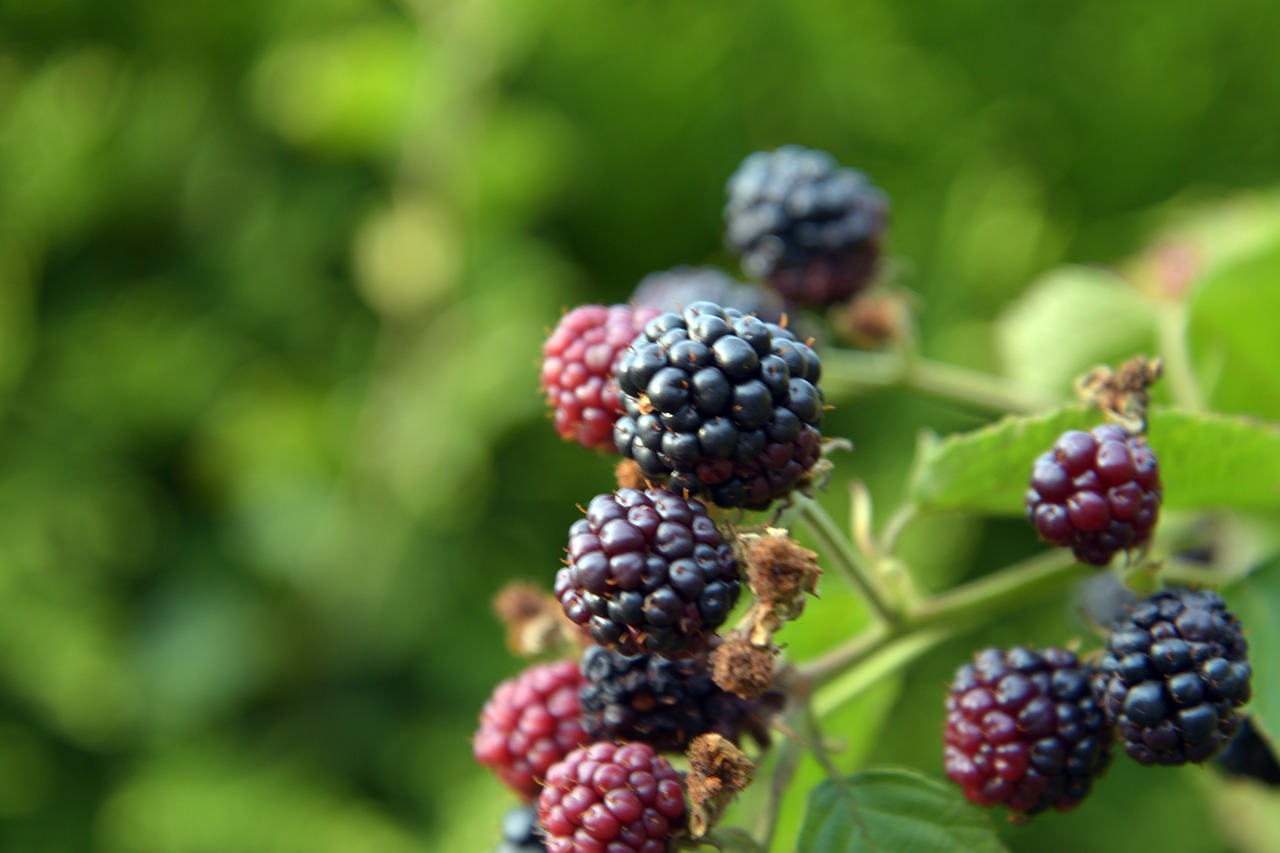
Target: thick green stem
x: 835, y: 546
x: 847, y: 371
x: 891, y: 657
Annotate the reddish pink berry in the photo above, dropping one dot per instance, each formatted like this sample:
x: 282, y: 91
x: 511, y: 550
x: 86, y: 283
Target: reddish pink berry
x: 579, y: 362
x: 612, y: 798
x: 529, y: 723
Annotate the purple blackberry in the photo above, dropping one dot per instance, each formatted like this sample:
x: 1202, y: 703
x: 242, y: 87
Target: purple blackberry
x: 1173, y: 676
x: 663, y: 703
x: 673, y: 289
x: 722, y: 404
x: 1024, y: 730
x: 520, y: 831
x: 648, y: 572
x: 1096, y: 493
x: 809, y: 227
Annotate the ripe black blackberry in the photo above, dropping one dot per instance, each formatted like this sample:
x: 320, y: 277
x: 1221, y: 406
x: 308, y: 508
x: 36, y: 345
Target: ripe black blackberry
x: 1173, y: 676
x: 722, y: 404
x: 1024, y: 730
x: 520, y: 831
x: 673, y: 289
x: 1096, y: 493
x: 648, y: 572
x: 809, y: 227
x: 663, y: 703
x: 620, y: 798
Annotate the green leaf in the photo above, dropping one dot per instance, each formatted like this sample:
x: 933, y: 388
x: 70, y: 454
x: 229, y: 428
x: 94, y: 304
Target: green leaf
x: 1206, y: 461
x: 731, y: 839
x: 1256, y: 600
x: 1069, y: 321
x: 894, y: 811
x: 1231, y: 331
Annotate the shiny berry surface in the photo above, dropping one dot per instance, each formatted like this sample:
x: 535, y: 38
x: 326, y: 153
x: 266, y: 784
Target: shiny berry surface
x: 611, y: 798
x: 1025, y: 731
x: 1173, y: 677
x: 1097, y: 493
x: 530, y: 722
x: 648, y: 571
x: 579, y: 361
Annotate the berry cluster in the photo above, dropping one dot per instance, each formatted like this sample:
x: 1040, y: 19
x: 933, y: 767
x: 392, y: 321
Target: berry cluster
x: 648, y: 572
x: 720, y: 403
x: 1096, y: 493
x: 809, y: 227
x: 1174, y: 674
x: 1025, y: 730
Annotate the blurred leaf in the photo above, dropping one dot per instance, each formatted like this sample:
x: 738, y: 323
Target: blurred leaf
x: 1233, y: 337
x: 1067, y: 322
x: 892, y: 811
x: 1206, y: 461
x: 1256, y: 600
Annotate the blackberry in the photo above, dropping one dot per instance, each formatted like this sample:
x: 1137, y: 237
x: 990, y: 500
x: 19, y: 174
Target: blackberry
x: 722, y: 404
x: 1173, y: 675
x: 663, y: 703
x: 529, y: 723
x: 520, y: 831
x: 622, y: 798
x: 673, y: 289
x: 579, y: 360
x: 809, y: 227
x: 1096, y: 493
x: 1024, y: 730
x: 648, y: 572
x: 1249, y: 754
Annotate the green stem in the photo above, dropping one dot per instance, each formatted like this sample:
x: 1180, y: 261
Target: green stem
x: 788, y: 762
x: 996, y: 593
x: 834, y: 545
x: 875, y: 667
x: 848, y: 371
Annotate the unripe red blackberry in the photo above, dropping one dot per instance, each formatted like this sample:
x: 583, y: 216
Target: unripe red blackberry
x: 810, y: 228
x: 1173, y: 676
x: 1096, y: 493
x: 663, y: 703
x: 671, y: 290
x: 530, y: 722
x: 1024, y: 730
x: 579, y: 361
x: 648, y: 572
x: 611, y: 798
x: 721, y: 404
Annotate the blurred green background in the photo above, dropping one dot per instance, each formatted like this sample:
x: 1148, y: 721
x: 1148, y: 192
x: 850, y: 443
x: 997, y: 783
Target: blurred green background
x: 273, y: 280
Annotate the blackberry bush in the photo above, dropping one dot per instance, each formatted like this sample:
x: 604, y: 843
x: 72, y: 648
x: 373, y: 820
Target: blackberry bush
x: 719, y: 408
x: 810, y: 228
x: 648, y: 571
x: 1024, y: 730
x: 1174, y: 675
x: 1097, y: 493
x: 720, y: 404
